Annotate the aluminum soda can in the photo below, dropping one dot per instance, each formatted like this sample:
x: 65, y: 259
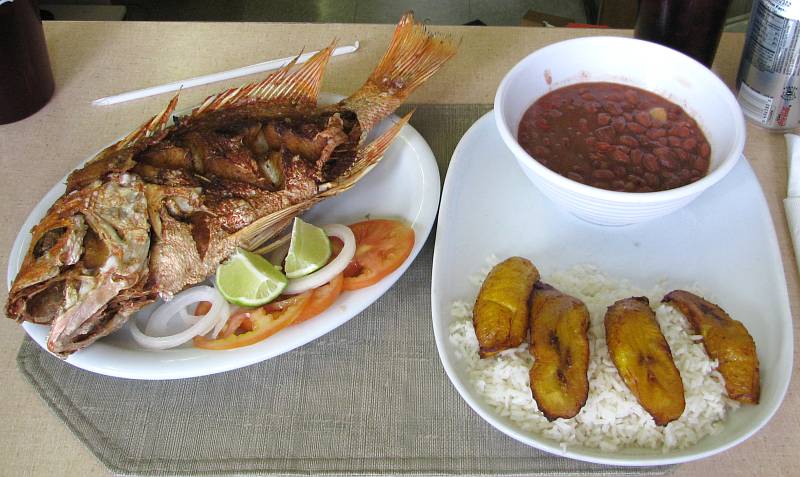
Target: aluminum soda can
x: 769, y: 73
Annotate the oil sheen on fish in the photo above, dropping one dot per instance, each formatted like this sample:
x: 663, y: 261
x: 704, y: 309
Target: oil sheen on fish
x: 159, y: 210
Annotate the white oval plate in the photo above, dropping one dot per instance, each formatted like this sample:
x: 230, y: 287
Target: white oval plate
x: 404, y: 185
x: 724, y: 241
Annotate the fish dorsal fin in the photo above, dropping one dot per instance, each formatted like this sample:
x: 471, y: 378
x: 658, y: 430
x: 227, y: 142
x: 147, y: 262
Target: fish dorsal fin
x: 286, y: 86
x: 265, y: 228
x: 413, y: 56
x: 149, y: 129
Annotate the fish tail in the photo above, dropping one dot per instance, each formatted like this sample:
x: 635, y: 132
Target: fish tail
x: 413, y: 56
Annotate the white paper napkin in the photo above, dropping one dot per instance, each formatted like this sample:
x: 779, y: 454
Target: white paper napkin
x: 791, y: 204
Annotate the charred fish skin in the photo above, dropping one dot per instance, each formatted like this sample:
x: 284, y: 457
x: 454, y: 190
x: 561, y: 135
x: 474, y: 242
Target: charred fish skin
x: 500, y: 314
x: 559, y: 344
x: 232, y: 173
x: 725, y: 340
x: 643, y: 358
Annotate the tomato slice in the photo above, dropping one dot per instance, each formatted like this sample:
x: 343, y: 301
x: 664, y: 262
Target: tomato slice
x: 381, y: 247
x: 259, y: 325
x: 322, y: 298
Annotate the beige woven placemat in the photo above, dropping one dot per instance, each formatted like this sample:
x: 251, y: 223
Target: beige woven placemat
x: 369, y: 398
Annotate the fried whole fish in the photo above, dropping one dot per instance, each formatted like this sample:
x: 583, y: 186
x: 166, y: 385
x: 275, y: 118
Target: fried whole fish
x: 500, y: 314
x: 559, y: 326
x: 726, y: 340
x: 160, y: 209
x: 643, y: 358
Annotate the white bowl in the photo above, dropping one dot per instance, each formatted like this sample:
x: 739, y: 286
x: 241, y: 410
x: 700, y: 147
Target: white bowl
x: 648, y: 66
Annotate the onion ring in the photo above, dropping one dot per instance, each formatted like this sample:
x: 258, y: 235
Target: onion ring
x: 176, y: 306
x: 333, y: 268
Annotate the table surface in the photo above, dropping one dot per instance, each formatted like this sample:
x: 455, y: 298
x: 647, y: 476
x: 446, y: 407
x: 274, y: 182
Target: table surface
x: 96, y: 59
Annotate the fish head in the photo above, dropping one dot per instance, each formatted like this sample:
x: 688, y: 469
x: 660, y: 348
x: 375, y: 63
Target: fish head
x: 91, y: 246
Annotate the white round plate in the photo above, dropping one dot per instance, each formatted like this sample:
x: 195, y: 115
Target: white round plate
x: 404, y: 185
x: 724, y: 242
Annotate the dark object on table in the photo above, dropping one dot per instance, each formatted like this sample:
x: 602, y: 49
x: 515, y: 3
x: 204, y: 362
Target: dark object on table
x: 26, y: 81
x: 693, y: 27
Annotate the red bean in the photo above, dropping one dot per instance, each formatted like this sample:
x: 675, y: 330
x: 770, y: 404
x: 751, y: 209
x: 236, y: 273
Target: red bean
x: 650, y: 163
x: 700, y: 164
x: 604, y: 146
x: 620, y: 156
x: 612, y: 108
x: 675, y: 141
x: 689, y: 144
x: 705, y: 150
x: 629, y: 141
x: 603, y: 119
x: 605, y: 133
x: 668, y: 163
x: 651, y: 179
x: 656, y: 133
x: 575, y: 176
x: 619, y: 124
x: 636, y: 157
x: 635, y: 128
x: 603, y: 174
x: 643, y: 118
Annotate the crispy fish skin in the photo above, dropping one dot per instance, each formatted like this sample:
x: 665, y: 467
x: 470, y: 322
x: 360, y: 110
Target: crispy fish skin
x: 559, y: 326
x: 500, y: 315
x: 726, y: 340
x: 643, y: 358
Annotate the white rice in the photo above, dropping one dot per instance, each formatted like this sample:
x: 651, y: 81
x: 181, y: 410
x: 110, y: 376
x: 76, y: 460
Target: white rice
x: 611, y: 418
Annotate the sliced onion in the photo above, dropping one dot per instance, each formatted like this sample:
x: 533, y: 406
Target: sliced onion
x: 226, y: 313
x: 177, y: 306
x: 329, y: 271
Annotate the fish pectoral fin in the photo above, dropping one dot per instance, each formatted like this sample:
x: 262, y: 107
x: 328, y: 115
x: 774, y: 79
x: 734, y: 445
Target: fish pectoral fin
x: 201, y: 233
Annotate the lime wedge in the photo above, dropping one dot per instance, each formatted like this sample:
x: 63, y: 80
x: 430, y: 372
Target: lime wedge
x: 247, y: 279
x: 309, y: 250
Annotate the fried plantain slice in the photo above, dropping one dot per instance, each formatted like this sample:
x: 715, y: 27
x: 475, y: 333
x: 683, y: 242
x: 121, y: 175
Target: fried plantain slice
x: 726, y: 340
x: 643, y: 358
x: 560, y: 348
x: 500, y: 315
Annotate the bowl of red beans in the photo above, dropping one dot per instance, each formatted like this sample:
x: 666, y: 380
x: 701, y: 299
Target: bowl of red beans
x: 616, y: 130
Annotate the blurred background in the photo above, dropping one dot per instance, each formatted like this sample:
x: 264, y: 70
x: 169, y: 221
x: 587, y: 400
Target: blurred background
x: 611, y: 13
